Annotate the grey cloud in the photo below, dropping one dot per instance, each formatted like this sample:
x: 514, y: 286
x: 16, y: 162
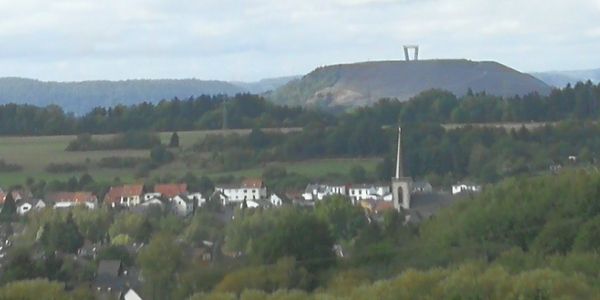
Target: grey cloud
x: 246, y: 40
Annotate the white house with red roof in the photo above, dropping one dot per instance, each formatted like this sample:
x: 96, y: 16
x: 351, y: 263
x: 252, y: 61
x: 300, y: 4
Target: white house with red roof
x: 170, y: 191
x: 72, y: 199
x: 125, y: 195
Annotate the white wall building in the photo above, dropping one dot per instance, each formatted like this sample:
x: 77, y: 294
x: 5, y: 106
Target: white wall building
x: 72, y: 199
x: 250, y: 189
x: 314, y: 192
x: 182, y: 205
x: 198, y: 197
x: 150, y: 196
x: 25, y: 206
x: 126, y: 195
x: 465, y: 187
x: 367, y: 191
x: 276, y: 200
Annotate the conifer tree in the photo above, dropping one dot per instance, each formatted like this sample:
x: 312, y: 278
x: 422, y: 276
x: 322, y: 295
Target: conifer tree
x: 174, y: 143
x: 9, y: 209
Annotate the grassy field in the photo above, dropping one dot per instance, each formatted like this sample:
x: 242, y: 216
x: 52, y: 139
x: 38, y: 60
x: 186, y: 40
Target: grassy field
x: 312, y: 168
x: 35, y: 153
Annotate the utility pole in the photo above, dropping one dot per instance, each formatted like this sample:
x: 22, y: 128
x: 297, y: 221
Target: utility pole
x: 224, y: 114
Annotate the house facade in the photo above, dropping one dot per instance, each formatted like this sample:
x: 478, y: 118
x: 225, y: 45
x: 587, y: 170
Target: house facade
x: 198, y: 198
x: 367, y: 191
x: 71, y: 199
x: 17, y: 195
x: 170, y: 191
x: 314, y: 192
x: 126, y: 195
x: 465, y: 188
x: 249, y: 189
x: 276, y: 200
x: 183, y: 205
x: 25, y: 206
x: 422, y: 186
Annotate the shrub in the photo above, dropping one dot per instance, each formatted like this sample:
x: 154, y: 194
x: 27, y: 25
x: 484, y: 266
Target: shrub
x: 116, y: 162
x: 127, y: 140
x: 8, y: 167
x: 65, y: 168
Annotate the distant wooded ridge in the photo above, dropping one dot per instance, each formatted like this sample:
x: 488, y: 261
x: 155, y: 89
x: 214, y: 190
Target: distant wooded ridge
x: 333, y: 87
x: 245, y: 111
x: 81, y: 97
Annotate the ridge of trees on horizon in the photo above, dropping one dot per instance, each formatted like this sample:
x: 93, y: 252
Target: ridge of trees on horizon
x: 581, y: 101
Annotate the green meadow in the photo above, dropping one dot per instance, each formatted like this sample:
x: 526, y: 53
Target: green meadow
x: 34, y: 154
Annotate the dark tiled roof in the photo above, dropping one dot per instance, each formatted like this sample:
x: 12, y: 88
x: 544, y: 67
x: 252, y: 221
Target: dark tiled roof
x: 109, y: 267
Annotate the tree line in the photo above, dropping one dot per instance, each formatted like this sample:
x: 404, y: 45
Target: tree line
x: 581, y: 101
x: 204, y: 112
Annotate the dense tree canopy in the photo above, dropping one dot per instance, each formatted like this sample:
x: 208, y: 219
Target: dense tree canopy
x: 581, y: 101
x: 204, y: 112
x: 270, y: 235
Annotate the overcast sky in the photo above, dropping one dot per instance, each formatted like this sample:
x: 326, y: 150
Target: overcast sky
x: 251, y: 39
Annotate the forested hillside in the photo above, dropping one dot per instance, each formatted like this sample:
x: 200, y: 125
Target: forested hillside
x: 81, y: 97
x: 205, y: 112
x: 535, y: 238
x: 525, y: 238
x: 579, y: 102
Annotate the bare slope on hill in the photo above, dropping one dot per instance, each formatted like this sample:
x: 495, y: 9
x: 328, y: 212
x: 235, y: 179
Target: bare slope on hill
x: 364, y: 83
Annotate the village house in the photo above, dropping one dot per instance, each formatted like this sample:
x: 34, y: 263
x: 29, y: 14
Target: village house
x: 315, y: 192
x: 183, y: 205
x: 25, y: 206
x: 367, y: 191
x: 219, y: 196
x: 198, y: 197
x: 24, y: 201
x: 148, y: 204
x: 249, y: 189
x: 22, y: 194
x: 252, y: 204
x: 463, y: 187
x: 170, y: 191
x: 422, y: 186
x: 19, y: 194
x: 150, y: 196
x: 71, y: 199
x: 113, y: 281
x: 275, y: 200
x: 126, y: 195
